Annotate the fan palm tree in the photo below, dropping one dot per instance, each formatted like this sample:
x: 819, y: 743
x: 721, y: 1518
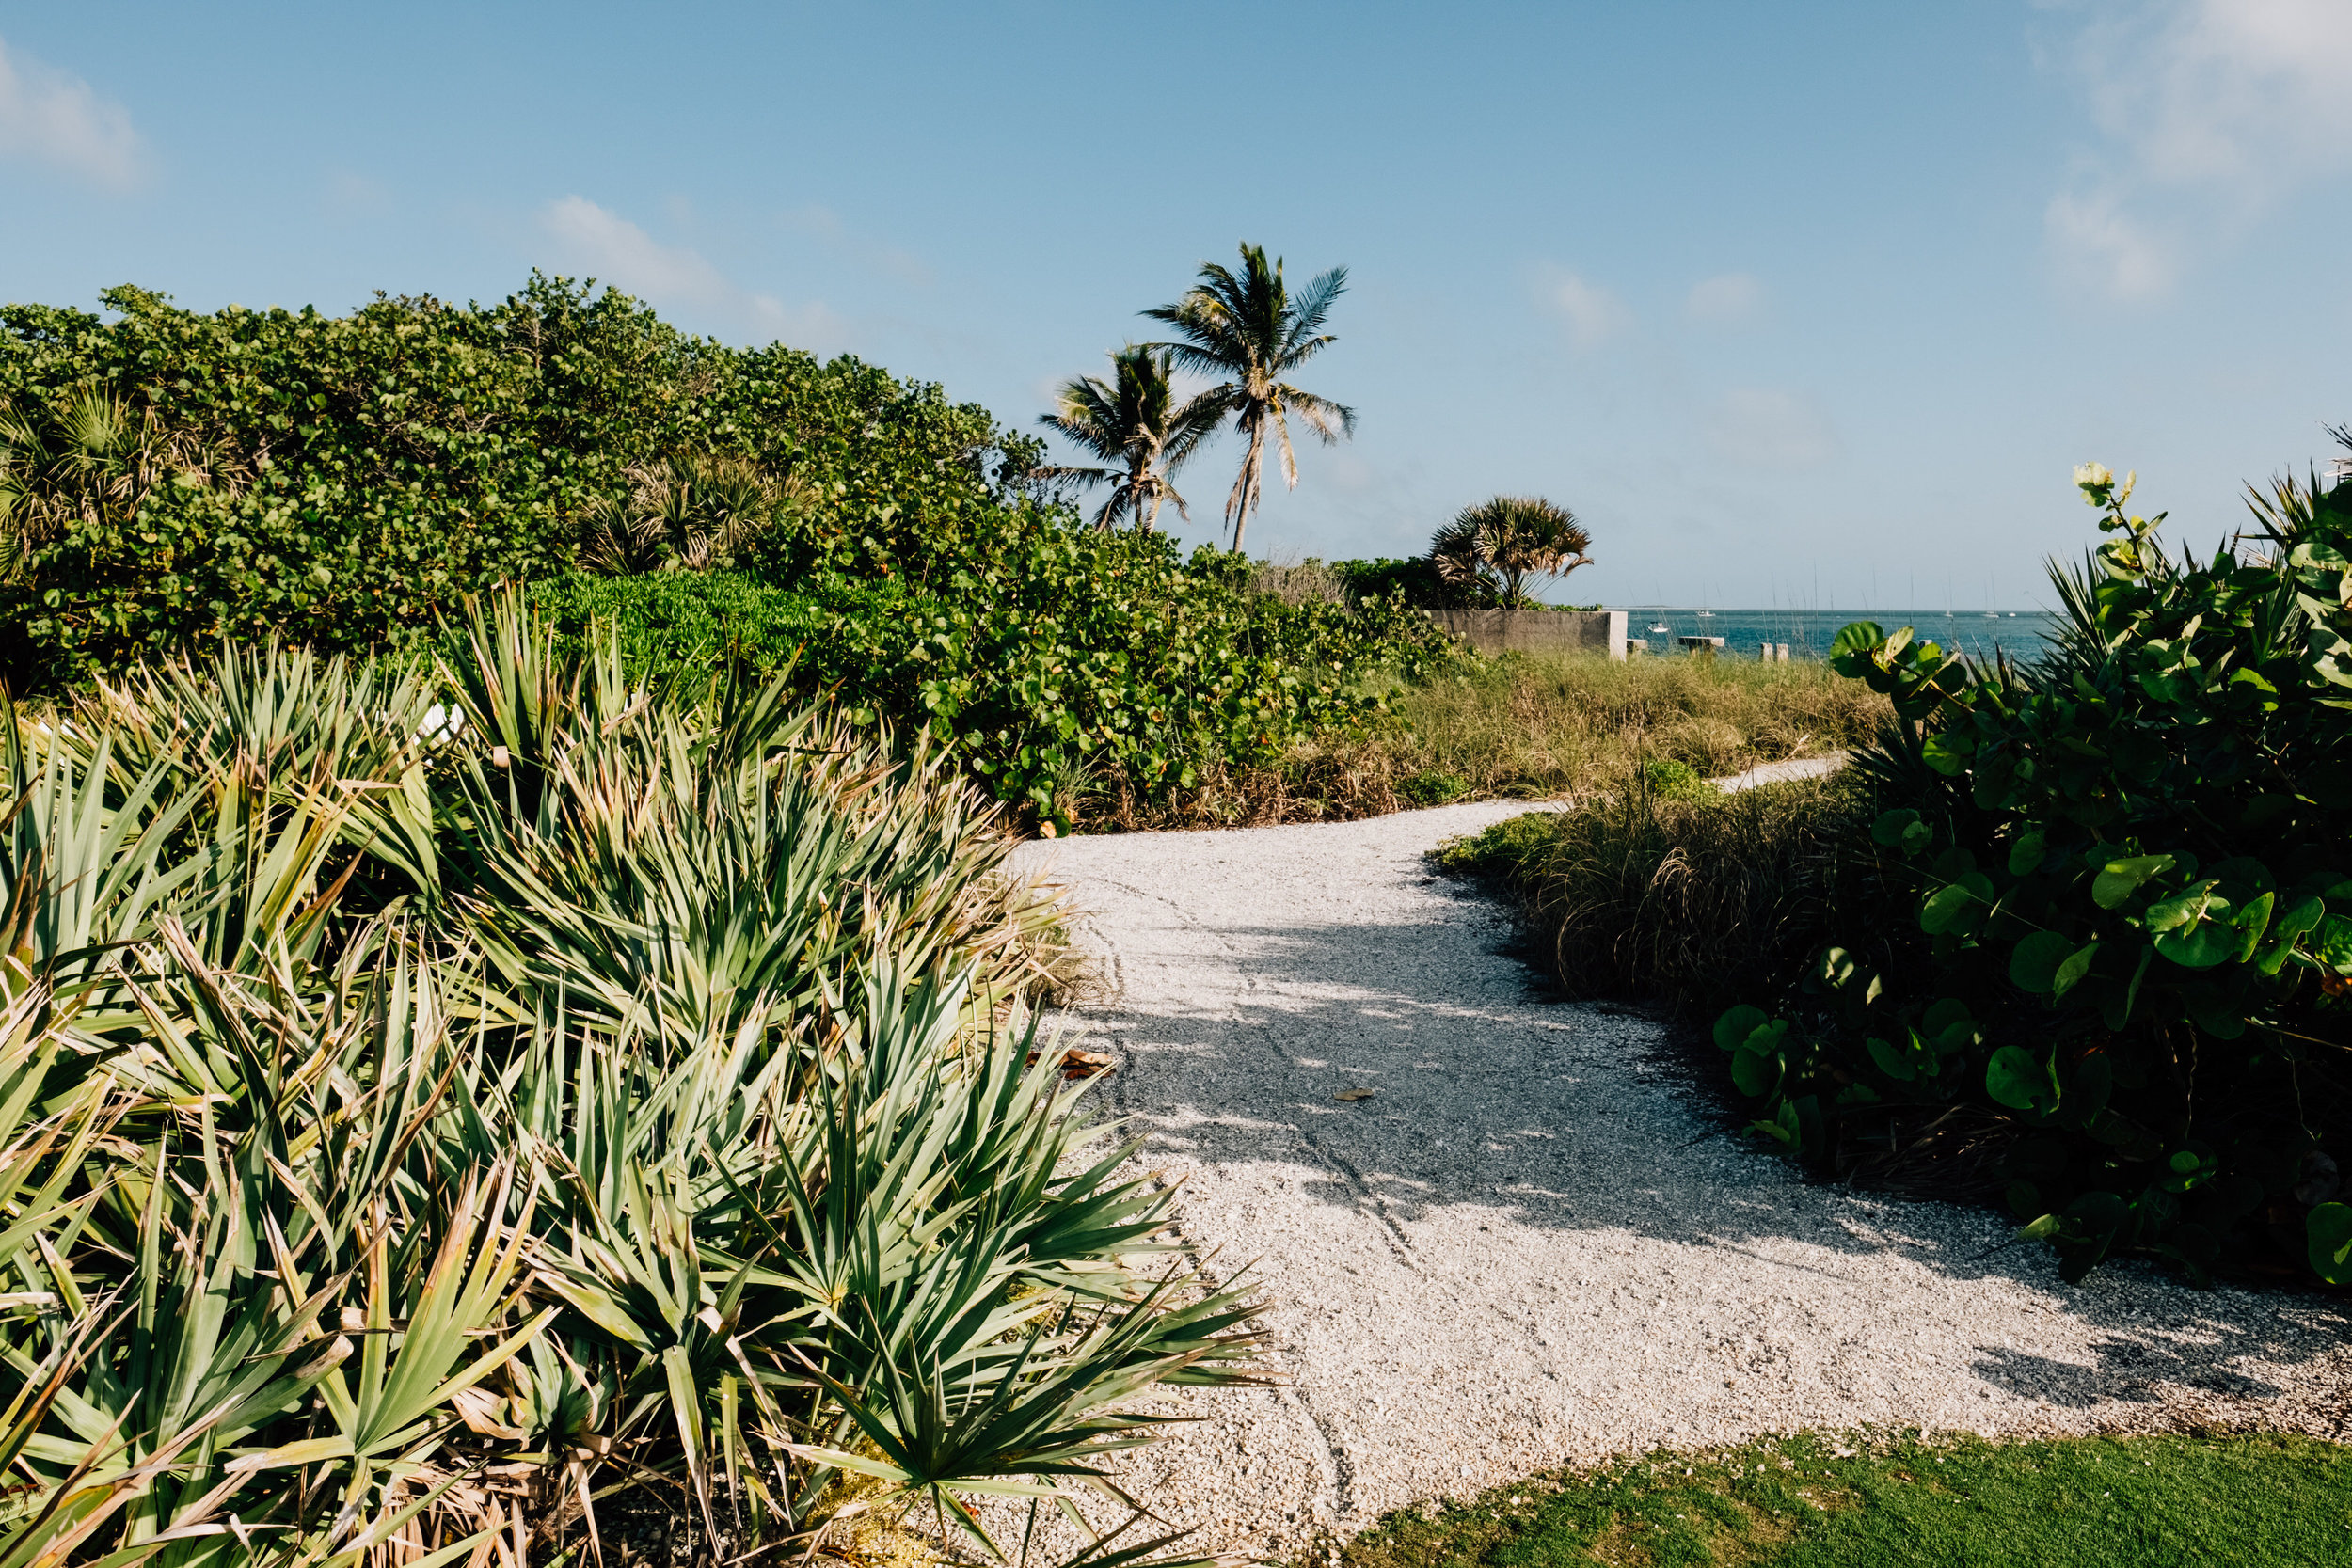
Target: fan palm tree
x: 1132, y: 420
x: 88, y: 461
x: 1250, y: 331
x: 686, y: 512
x: 1489, y: 550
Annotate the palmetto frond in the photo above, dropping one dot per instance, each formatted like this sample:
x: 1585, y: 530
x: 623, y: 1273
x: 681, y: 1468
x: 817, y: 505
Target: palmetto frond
x: 1489, y: 550
x: 688, y: 512
x: 1458, y: 552
x: 89, y: 457
x: 654, y: 1122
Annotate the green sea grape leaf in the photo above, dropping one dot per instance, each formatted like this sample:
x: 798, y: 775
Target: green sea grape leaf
x: 2098, y: 1214
x: 2034, y: 963
x: 2019, y: 1080
x: 2332, y: 943
x: 1948, y: 752
x: 2251, y: 923
x: 1755, y: 1073
x: 2300, y: 917
x: 1737, y: 1024
x: 2201, y: 945
x: 2243, y: 872
x: 2114, y: 886
x: 1958, y: 905
x: 2187, y: 908
x: 1891, y: 1058
x: 1856, y: 637
x: 2071, y: 973
x: 2328, y: 1228
x: 1942, y: 1013
x: 2026, y: 853
x: 2094, y: 1083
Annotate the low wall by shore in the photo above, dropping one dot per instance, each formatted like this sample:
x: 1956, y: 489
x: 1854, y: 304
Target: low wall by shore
x: 1537, y: 631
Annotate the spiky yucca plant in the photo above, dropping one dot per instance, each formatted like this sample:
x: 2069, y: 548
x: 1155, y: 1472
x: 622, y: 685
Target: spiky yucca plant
x: 417, y: 1140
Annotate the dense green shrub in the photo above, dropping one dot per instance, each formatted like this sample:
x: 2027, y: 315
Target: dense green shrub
x: 663, y: 621
x: 342, y: 480
x: 2118, y: 902
x: 1061, y: 664
x: 1414, y: 580
x: 345, y: 481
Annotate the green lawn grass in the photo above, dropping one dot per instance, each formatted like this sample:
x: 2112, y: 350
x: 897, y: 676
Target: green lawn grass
x: 1815, y: 1502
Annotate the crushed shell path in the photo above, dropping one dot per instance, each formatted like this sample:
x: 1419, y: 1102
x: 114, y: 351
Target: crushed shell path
x: 1532, y: 1243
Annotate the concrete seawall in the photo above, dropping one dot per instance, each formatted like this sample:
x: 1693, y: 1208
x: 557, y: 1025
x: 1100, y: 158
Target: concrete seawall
x: 1537, y: 631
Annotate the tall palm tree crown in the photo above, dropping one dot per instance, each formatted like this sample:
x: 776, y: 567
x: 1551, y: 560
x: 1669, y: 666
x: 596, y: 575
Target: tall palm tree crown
x: 1132, y: 420
x: 1251, y: 332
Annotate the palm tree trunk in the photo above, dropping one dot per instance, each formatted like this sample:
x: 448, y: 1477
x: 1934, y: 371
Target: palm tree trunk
x: 1139, y: 481
x: 1246, y: 487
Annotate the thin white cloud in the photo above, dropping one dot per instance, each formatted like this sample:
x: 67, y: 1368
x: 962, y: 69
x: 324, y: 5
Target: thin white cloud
x: 2101, y: 244
x: 1770, y: 428
x: 57, y: 122
x: 1724, y: 301
x: 2211, y: 113
x: 603, y: 243
x: 1593, y: 314
x: 825, y: 224
x: 2233, y: 90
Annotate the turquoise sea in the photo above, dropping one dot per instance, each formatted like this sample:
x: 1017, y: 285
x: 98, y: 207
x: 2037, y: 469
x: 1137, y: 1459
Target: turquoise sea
x: 1808, y: 632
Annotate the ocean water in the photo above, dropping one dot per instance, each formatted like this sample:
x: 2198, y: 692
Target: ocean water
x: 1979, y: 634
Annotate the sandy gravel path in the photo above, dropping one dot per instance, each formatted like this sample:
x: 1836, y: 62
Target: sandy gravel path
x: 1532, y: 1244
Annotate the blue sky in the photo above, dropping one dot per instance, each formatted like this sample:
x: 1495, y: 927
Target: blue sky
x: 1793, y: 303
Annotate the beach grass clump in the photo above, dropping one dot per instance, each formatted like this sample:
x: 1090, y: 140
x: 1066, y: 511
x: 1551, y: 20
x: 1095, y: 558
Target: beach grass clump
x: 1532, y: 727
x: 1667, y: 889
x: 1523, y: 725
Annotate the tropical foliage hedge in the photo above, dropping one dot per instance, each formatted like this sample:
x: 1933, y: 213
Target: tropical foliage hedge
x: 172, y: 478
x: 445, y: 1109
x: 338, y: 480
x: 1062, y: 666
x: 2114, y: 903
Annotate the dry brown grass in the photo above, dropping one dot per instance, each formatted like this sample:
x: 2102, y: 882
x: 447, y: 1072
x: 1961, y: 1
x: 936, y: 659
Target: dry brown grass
x: 1525, y: 727
x: 1538, y: 727
x: 1694, y: 901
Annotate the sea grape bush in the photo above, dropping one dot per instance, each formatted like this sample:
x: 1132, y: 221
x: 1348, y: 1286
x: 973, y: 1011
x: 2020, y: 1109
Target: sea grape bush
x: 346, y: 482
x: 1059, y: 663
x: 342, y: 480
x: 2127, y: 877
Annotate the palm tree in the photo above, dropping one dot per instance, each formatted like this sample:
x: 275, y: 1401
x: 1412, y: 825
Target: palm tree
x: 1489, y: 550
x: 1251, y: 332
x: 1134, y: 421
